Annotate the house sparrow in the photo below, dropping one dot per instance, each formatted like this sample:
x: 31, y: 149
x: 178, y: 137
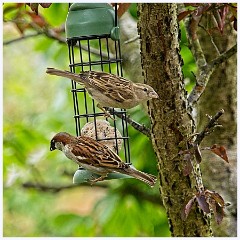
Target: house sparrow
x: 96, y: 157
x: 110, y: 90
x: 104, y: 131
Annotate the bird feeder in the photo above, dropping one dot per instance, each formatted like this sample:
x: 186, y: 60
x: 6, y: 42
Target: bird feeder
x: 92, y: 34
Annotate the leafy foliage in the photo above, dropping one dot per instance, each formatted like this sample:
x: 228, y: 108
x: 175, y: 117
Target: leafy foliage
x: 206, y: 200
x: 217, y: 13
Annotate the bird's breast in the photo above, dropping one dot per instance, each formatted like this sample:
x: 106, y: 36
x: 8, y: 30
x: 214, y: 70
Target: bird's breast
x: 109, y: 100
x: 97, y: 170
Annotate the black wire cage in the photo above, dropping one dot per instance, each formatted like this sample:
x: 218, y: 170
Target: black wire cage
x: 93, y: 44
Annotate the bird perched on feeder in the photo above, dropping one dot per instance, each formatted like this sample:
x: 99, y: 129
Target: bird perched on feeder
x: 96, y: 157
x: 109, y: 90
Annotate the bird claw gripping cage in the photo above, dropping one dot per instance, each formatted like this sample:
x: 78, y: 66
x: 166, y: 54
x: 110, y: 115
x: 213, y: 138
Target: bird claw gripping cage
x: 93, y: 44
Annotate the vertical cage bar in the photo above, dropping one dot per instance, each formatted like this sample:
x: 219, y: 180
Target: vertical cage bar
x: 84, y: 90
x: 74, y: 94
x: 109, y: 64
x: 91, y: 63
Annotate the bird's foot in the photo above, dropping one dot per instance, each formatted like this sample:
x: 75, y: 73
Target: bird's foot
x: 106, y: 113
x: 101, y: 178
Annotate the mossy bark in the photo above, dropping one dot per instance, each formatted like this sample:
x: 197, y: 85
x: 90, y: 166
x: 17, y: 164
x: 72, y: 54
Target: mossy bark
x: 171, y: 122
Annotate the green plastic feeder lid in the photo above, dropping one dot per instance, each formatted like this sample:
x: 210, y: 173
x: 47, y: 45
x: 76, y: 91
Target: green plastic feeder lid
x: 87, y: 19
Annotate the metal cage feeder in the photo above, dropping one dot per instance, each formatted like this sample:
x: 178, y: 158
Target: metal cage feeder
x: 91, y: 30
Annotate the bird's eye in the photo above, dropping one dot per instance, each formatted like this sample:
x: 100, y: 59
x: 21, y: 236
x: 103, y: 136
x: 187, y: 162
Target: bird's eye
x: 145, y: 90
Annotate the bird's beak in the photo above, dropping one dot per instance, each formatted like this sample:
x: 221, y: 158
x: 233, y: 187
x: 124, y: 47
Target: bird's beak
x: 153, y: 94
x: 52, y: 146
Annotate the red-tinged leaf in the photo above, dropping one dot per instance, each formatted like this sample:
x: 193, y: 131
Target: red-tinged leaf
x: 220, y: 16
x: 215, y: 196
x: 218, y: 19
x: 37, y: 19
x: 235, y: 24
x: 183, y: 14
x: 45, y: 5
x: 187, y: 208
x: 34, y: 7
x: 202, y: 8
x: 223, y: 13
x: 122, y: 8
x: 197, y: 154
x: 201, y: 199
x: 218, y: 212
x: 187, y: 169
x: 220, y: 151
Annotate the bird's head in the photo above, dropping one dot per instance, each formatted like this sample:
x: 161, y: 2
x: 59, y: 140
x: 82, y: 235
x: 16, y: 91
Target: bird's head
x: 60, y: 140
x: 145, y: 92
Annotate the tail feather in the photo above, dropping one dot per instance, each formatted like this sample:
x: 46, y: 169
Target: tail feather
x: 67, y: 74
x: 144, y: 177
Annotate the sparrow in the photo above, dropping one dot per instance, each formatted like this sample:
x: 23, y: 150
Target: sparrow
x: 96, y: 157
x: 109, y: 90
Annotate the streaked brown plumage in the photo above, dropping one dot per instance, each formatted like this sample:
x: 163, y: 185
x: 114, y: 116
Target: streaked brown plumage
x: 110, y: 90
x: 96, y: 157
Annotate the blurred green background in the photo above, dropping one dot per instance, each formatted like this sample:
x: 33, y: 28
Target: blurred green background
x: 36, y: 106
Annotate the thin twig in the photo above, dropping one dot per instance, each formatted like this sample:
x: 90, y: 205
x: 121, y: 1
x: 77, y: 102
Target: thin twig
x: 139, y: 127
x: 211, y: 124
x: 124, y: 190
x: 211, y: 38
x: 21, y: 38
x: 205, y: 74
x: 51, y: 33
x: 132, y: 39
x: 205, y: 69
x: 54, y: 189
x: 223, y: 57
x: 200, y: 136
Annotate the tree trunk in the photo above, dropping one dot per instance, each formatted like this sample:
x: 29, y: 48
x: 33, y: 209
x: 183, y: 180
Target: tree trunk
x: 221, y: 93
x: 171, y: 123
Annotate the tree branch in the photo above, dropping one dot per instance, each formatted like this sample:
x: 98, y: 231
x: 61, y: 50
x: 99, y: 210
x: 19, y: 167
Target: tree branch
x: 191, y: 25
x: 139, y: 127
x: 54, y: 189
x: 51, y: 33
x: 211, y: 38
x: 223, y: 57
x: 212, y: 123
x: 205, y: 74
x: 22, y: 38
x: 205, y: 69
x: 123, y: 190
x: 132, y: 39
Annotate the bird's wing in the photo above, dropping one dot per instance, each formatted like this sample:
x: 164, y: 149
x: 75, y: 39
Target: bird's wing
x: 91, y: 152
x: 117, y: 88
